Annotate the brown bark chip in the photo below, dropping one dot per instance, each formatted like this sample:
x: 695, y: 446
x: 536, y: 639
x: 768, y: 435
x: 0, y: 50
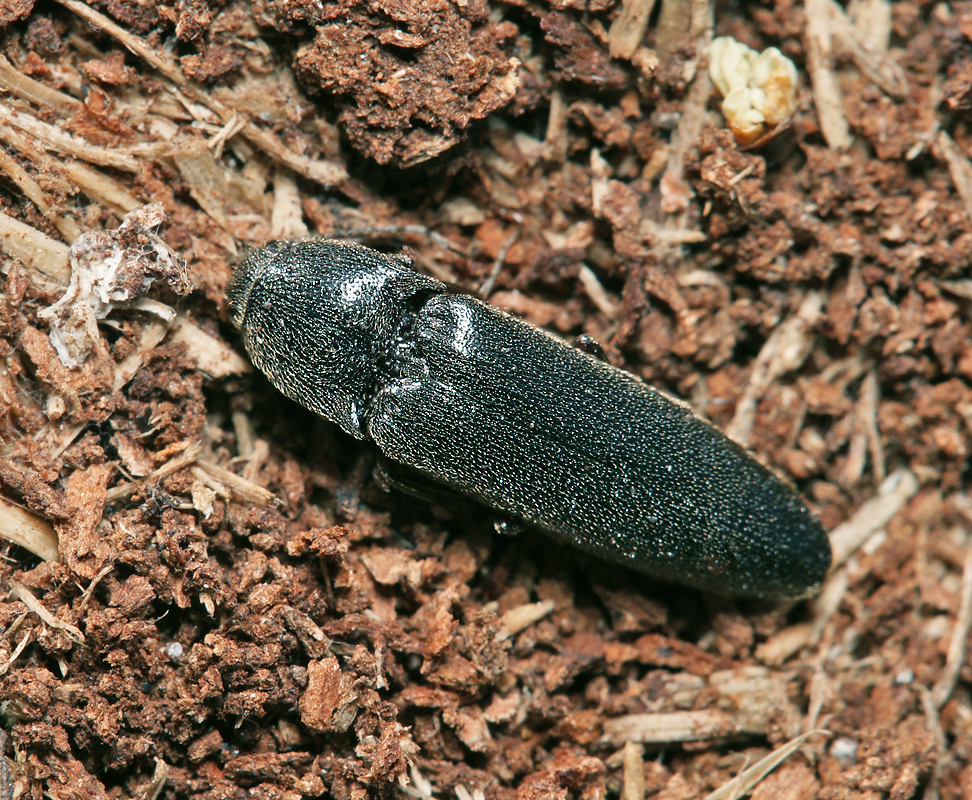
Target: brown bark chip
x: 84, y: 547
x: 328, y: 703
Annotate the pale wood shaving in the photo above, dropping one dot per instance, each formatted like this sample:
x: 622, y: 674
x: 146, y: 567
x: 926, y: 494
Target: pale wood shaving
x: 745, y: 700
x: 89, y: 591
x: 676, y: 192
x: 213, y: 356
x: 596, y: 291
x: 870, y: 396
x: 28, y: 530
x: 747, y: 780
x: 181, y: 461
x: 99, y: 187
x: 287, y: 217
x: 462, y: 793
x: 555, y: 141
x: 256, y: 460
x: 20, y: 592
x: 211, y: 483
x: 26, y: 88
x: 865, y: 437
x: 679, y: 726
x: 959, y: 168
x: 73, y: 174
x: 827, y: 601
x: 877, y: 66
x: 783, y: 644
x: 629, y: 26
x: 225, y: 134
x: 24, y: 640
x: 208, y: 180
x: 873, y: 22
x: 421, y: 786
x: 896, y: 490
x: 933, y: 723
x: 56, y: 139
x: 665, y: 237
x: 956, y: 647
x: 487, y: 288
x: 674, y: 25
x: 522, y: 617
x: 245, y: 435
x: 633, y: 772
x: 600, y: 177
x: 152, y: 789
x: 66, y: 226
x: 323, y: 172
x: 826, y: 90
x: 240, y: 487
x: 786, y: 348
x: 819, y: 688
x: 45, y: 258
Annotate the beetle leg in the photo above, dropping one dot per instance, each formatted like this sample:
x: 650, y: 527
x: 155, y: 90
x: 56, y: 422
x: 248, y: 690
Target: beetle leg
x: 392, y: 475
x: 347, y: 494
x: 591, y: 346
x: 508, y: 526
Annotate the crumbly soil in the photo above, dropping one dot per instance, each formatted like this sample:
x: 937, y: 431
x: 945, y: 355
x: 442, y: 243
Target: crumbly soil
x: 237, y: 608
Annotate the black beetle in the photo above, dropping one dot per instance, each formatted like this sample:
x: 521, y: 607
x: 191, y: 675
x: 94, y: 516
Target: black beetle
x: 460, y: 395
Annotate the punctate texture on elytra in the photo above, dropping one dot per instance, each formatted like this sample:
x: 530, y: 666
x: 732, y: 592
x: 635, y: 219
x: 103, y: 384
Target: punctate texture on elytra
x: 484, y: 404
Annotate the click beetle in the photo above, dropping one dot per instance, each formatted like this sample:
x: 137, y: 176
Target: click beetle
x: 457, y: 394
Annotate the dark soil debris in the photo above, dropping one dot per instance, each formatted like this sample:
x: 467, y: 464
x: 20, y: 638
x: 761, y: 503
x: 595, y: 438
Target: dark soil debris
x: 240, y: 610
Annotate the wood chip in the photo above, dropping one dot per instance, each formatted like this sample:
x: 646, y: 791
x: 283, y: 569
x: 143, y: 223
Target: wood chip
x: 897, y: 489
x: 596, y: 291
x: 63, y: 142
x: 956, y: 647
x: 633, y: 772
x: 26, y: 88
x: 745, y: 700
x: 674, y: 24
x: 522, y: 617
x: 287, y: 219
x: 66, y: 226
x: 213, y: 356
x: 826, y: 90
x: 27, y: 530
x: 879, y: 68
x: 45, y: 259
x: 20, y: 592
x: 628, y: 28
x: 241, y: 488
x: 959, y: 168
x: 786, y: 348
x: 181, y: 461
